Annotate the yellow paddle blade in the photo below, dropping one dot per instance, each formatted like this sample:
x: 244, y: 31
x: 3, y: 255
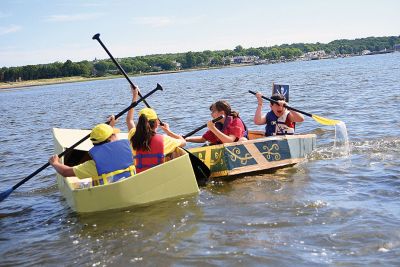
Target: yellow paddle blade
x: 324, y: 121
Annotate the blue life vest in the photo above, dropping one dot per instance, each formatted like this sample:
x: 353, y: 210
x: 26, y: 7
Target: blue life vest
x: 113, y: 161
x: 278, y: 126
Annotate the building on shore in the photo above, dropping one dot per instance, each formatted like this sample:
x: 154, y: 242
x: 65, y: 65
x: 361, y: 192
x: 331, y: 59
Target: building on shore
x: 244, y: 59
x: 315, y: 55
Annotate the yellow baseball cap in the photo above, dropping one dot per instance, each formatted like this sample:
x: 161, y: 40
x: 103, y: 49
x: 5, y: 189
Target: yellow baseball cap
x: 149, y: 113
x: 101, y: 132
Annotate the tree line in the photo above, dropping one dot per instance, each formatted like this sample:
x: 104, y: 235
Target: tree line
x: 188, y: 60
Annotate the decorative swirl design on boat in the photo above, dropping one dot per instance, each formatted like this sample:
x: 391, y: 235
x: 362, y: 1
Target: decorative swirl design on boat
x: 236, y: 154
x: 269, y: 153
x: 200, y: 155
x: 216, y: 157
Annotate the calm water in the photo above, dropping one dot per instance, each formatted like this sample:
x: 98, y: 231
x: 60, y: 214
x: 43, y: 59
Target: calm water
x: 330, y: 210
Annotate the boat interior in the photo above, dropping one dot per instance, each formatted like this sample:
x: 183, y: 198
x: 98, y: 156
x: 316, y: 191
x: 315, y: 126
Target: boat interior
x: 76, y: 157
x: 255, y: 134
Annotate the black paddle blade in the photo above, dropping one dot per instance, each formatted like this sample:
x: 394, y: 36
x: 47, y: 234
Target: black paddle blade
x: 96, y: 36
x: 159, y: 87
x: 201, y: 171
x: 5, y: 194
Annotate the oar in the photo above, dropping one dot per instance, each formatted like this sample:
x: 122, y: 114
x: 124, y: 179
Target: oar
x: 319, y: 119
x: 6, y: 193
x: 202, y: 172
x: 97, y: 37
x: 200, y: 169
x: 203, y: 126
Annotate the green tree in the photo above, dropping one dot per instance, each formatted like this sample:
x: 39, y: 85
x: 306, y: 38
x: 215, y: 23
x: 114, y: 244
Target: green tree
x: 254, y: 52
x: 67, y: 68
x: 273, y: 54
x: 238, y: 49
x: 85, y: 68
x: 216, y: 61
x: 140, y: 66
x: 166, y: 64
x: 392, y: 41
x: 101, y: 68
x: 2, y: 70
x: 189, y: 60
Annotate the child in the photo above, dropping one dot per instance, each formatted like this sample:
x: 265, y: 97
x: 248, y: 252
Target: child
x: 229, y: 129
x: 111, y: 158
x: 148, y: 147
x: 279, y: 121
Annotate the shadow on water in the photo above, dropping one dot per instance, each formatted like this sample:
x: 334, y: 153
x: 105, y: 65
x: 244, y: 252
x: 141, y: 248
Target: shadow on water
x: 15, y: 213
x: 113, y: 237
x: 259, y: 187
x: 137, y: 233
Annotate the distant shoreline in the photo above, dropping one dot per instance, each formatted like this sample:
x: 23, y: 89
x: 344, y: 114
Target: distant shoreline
x: 40, y: 82
x: 75, y: 79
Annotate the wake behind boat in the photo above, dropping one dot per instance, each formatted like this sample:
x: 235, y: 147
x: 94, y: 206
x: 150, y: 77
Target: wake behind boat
x: 174, y: 178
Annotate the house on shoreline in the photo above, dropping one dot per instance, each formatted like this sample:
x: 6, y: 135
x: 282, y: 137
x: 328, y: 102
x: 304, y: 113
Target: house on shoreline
x: 244, y: 59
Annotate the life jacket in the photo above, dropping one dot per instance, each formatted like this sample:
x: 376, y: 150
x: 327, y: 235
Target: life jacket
x: 224, y: 127
x: 246, y: 132
x: 113, y: 162
x: 146, y: 159
x: 278, y: 126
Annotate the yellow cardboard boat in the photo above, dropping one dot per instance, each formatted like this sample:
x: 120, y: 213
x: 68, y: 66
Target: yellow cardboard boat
x: 259, y: 153
x: 174, y: 178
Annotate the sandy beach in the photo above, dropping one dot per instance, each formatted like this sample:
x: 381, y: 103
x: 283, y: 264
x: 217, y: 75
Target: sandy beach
x: 30, y: 83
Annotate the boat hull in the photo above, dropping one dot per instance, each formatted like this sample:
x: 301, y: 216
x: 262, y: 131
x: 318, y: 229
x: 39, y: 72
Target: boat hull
x: 257, y: 154
x: 172, y: 179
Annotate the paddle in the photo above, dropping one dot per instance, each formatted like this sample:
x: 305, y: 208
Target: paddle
x: 97, y: 37
x: 203, y: 126
x: 202, y: 172
x: 6, y: 193
x: 318, y: 119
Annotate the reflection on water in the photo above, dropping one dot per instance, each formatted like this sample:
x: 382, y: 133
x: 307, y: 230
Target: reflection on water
x: 141, y: 233
x: 336, y: 208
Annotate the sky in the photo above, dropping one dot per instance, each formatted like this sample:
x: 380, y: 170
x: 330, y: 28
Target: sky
x: 46, y: 31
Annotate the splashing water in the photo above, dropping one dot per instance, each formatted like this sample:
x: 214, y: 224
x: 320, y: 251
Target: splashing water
x: 341, y: 144
x: 340, y: 148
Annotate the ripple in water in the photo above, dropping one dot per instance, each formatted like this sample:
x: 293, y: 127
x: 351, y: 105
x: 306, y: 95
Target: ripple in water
x: 329, y: 210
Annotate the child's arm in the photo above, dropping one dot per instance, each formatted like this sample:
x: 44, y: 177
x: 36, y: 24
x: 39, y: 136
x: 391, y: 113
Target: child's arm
x: 259, y: 119
x: 295, y: 116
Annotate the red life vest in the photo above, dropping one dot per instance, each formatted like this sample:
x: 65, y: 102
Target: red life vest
x: 146, y: 159
x: 226, y: 129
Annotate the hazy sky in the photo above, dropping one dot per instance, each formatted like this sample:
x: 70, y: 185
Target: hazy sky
x: 45, y: 31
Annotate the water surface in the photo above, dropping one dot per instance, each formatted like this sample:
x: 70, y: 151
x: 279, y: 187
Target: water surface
x: 329, y: 210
